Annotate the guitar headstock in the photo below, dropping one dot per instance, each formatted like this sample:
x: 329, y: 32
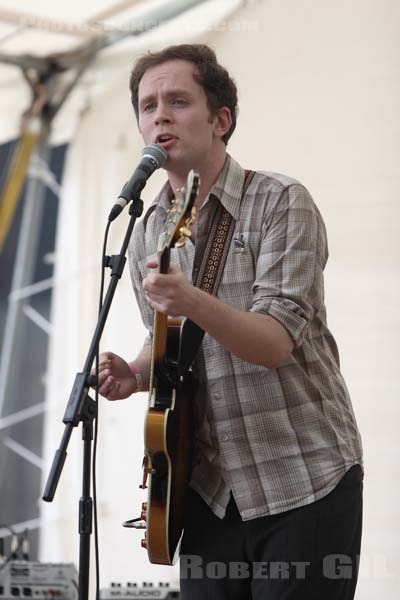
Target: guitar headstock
x: 181, y: 215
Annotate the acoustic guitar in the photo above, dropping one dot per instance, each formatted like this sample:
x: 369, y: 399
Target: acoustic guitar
x: 168, y: 430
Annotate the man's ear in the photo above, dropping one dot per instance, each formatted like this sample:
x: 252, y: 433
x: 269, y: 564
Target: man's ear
x: 223, y: 121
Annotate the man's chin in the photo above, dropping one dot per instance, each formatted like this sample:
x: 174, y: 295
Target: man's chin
x: 178, y: 164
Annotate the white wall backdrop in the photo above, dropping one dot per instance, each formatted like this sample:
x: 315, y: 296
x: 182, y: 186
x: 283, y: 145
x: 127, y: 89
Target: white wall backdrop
x: 319, y: 95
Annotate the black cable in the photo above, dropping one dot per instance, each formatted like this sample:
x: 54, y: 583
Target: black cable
x: 95, y: 437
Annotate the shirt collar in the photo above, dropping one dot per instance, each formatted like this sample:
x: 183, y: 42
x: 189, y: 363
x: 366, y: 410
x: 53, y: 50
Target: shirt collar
x: 164, y: 196
x: 227, y: 188
x: 229, y: 185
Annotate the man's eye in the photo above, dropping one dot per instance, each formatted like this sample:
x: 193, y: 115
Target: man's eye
x: 148, y: 107
x: 179, y: 101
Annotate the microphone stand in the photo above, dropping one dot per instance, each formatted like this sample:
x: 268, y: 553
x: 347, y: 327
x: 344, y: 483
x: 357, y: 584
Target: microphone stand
x: 82, y: 408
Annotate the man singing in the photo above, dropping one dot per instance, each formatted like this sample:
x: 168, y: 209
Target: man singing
x: 276, y: 483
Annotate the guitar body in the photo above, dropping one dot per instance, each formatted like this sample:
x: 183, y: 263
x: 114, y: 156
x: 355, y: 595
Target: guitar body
x: 168, y: 441
x: 168, y: 430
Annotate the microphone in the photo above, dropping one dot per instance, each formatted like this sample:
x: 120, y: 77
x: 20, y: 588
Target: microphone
x: 153, y: 157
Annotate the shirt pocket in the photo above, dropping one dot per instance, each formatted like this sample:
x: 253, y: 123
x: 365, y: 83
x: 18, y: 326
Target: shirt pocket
x: 239, y: 273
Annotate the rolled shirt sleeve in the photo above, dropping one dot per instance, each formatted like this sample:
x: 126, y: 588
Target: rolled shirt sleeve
x: 289, y: 272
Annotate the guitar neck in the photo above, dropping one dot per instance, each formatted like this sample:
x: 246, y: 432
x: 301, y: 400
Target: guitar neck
x: 180, y: 217
x: 164, y: 260
x: 160, y: 323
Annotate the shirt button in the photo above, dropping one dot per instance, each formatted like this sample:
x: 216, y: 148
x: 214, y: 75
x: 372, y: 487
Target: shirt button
x: 225, y: 438
x: 211, y: 353
x: 217, y: 396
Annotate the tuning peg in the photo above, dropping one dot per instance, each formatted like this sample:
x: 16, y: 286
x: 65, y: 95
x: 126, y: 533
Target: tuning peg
x: 191, y: 217
x: 185, y: 231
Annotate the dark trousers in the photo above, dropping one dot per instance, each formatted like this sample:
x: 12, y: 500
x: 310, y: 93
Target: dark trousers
x: 309, y: 553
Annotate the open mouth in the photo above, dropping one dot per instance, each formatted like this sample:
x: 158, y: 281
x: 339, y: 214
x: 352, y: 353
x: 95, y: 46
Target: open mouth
x: 164, y: 138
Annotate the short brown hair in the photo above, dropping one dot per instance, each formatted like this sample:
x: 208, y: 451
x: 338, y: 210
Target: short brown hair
x: 218, y: 86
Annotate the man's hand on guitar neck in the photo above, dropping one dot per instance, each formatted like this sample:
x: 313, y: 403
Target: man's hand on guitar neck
x: 171, y: 294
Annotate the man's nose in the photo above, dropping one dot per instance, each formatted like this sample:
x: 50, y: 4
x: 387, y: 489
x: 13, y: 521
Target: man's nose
x: 163, y: 114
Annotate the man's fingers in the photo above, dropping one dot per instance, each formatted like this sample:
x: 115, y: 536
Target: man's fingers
x: 155, y: 282
x: 103, y: 376
x: 174, y: 269
x: 104, y: 362
x: 152, y: 264
x: 110, y: 388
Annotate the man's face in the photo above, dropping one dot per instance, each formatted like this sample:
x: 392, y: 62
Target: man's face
x: 173, y: 112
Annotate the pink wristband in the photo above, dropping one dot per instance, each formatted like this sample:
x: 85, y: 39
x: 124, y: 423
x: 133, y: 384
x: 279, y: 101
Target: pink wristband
x: 135, y: 371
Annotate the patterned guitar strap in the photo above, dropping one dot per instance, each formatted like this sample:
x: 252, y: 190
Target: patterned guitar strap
x: 210, y: 274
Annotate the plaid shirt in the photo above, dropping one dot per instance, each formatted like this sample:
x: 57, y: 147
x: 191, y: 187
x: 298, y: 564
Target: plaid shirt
x: 276, y: 438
